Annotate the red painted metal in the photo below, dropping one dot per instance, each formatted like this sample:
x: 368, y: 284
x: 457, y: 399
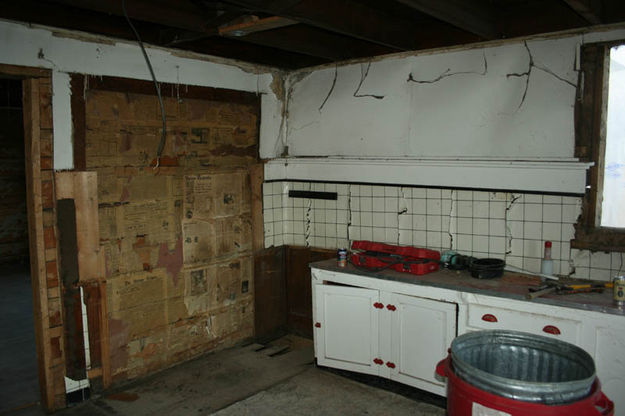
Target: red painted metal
x: 489, y: 317
x: 391, y: 307
x: 317, y: 325
x: 461, y: 396
x: 553, y: 330
x: 378, y: 361
x: 390, y: 364
x: 378, y: 305
x: 400, y: 258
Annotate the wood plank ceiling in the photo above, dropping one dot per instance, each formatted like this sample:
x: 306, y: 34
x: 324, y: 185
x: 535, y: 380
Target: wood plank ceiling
x: 298, y: 33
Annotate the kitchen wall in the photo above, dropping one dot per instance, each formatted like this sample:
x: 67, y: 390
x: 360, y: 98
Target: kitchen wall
x: 506, y: 225
x: 66, y: 52
x: 498, y: 100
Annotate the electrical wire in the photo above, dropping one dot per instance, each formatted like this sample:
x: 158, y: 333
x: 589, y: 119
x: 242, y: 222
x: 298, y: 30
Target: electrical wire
x: 161, y: 144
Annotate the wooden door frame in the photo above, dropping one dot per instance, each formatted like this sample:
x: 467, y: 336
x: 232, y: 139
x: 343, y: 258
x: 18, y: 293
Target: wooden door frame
x: 34, y: 202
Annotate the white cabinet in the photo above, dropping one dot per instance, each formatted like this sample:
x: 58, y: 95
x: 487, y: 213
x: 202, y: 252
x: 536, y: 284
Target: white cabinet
x: 383, y: 333
x: 399, y: 330
x: 421, y: 333
x: 346, y: 333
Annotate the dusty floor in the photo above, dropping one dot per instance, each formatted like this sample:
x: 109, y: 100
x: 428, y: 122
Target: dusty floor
x: 18, y: 354
x: 278, y: 379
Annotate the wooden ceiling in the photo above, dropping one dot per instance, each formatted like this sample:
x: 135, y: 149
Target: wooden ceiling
x: 298, y: 33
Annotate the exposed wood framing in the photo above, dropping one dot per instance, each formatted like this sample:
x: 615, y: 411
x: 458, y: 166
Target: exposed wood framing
x: 588, y: 9
x: 471, y: 16
x: 256, y: 25
x: 36, y: 239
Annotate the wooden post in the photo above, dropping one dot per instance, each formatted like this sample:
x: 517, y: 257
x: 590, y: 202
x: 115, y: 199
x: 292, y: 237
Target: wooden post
x: 36, y: 239
x: 257, y: 176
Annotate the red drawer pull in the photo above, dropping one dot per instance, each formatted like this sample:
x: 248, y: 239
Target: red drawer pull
x: 553, y: 330
x: 391, y: 307
x: 378, y: 361
x: 489, y: 317
x: 390, y: 364
x: 317, y: 325
x: 378, y: 305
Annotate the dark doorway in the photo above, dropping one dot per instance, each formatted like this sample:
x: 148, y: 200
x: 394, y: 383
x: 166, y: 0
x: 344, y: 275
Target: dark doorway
x: 19, y: 386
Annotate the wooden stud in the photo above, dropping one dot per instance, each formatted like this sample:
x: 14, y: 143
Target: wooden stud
x: 36, y: 240
x: 257, y: 175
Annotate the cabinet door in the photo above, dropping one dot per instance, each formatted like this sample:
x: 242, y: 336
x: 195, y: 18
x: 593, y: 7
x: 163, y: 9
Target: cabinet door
x: 422, y: 331
x: 609, y: 347
x: 346, y: 328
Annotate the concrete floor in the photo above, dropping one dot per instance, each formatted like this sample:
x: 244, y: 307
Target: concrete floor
x: 19, y: 385
x: 276, y: 379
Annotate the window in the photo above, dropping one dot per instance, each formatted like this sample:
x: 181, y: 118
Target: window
x: 600, y: 138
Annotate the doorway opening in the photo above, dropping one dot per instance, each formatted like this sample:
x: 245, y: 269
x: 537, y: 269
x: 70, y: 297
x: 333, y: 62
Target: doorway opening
x: 19, y: 385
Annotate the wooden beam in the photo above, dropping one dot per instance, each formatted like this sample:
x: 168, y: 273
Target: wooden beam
x: 588, y: 9
x: 468, y: 15
x: 341, y: 16
x: 255, y: 25
x: 180, y: 15
x: 36, y: 240
x: 316, y: 42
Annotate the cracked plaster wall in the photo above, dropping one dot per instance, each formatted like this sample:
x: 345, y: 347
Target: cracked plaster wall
x: 513, y: 100
x: 511, y: 226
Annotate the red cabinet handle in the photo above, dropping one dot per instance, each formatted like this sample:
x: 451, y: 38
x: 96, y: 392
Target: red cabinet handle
x: 391, y: 307
x: 378, y: 305
x: 378, y: 361
x: 390, y: 364
x: 553, y: 330
x: 489, y: 317
x: 317, y: 325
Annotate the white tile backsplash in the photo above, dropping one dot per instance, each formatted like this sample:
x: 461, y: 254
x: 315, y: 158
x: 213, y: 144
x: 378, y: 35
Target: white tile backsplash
x: 483, y: 224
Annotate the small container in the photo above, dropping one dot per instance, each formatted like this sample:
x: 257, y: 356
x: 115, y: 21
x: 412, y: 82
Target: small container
x: 341, y: 257
x: 546, y: 265
x: 619, y: 290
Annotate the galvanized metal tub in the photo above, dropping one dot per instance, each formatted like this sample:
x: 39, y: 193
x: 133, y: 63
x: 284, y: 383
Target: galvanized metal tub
x: 523, y: 366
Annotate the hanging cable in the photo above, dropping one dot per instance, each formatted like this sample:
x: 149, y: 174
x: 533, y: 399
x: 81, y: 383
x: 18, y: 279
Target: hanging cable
x: 161, y: 144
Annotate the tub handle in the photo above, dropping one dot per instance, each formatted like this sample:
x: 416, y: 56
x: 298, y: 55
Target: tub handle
x: 553, y: 330
x: 603, y: 405
x: 488, y: 317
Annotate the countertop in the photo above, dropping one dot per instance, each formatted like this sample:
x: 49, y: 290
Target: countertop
x: 510, y: 285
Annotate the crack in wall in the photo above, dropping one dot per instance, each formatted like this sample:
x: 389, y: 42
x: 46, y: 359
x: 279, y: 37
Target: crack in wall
x: 349, y: 212
x: 336, y: 74
x: 448, y: 73
x: 450, y: 229
x: 509, y: 236
x: 363, y: 76
x: 531, y: 65
x: 402, y: 209
x: 308, y: 221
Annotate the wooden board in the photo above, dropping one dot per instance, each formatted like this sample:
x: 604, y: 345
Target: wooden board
x: 36, y: 239
x: 270, y: 301
x: 299, y: 292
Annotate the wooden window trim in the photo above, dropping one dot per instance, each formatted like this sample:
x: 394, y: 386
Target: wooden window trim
x: 590, y: 128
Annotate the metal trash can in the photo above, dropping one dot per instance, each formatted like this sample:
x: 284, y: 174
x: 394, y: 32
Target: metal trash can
x: 520, y: 374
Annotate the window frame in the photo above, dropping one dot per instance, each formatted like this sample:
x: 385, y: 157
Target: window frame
x: 590, y: 138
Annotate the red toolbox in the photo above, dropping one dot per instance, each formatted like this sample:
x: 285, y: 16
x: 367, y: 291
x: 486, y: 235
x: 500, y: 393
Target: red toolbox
x: 380, y: 256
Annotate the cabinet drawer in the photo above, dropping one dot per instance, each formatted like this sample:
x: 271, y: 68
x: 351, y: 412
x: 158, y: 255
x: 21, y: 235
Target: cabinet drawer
x: 487, y: 317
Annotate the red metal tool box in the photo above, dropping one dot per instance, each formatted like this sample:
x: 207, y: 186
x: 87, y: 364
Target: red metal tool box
x: 380, y: 256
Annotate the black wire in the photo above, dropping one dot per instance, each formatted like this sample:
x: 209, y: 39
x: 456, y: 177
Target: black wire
x: 161, y: 145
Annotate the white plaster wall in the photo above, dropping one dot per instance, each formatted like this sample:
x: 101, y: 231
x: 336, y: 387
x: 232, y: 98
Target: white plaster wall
x: 468, y: 103
x: 66, y: 52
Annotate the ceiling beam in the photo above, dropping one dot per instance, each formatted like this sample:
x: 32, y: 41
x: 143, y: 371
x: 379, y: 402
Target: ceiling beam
x: 184, y: 15
x: 316, y: 42
x: 346, y: 17
x: 255, y: 25
x: 588, y: 9
x: 469, y: 15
